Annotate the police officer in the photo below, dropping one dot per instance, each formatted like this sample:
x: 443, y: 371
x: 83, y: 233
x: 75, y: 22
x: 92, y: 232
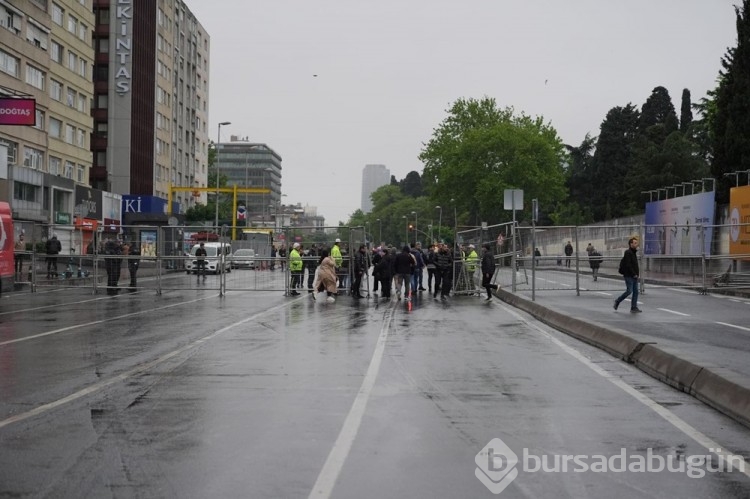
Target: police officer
x: 112, y: 264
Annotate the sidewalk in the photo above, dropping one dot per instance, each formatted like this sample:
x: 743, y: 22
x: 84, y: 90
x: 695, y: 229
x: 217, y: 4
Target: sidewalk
x: 685, y: 353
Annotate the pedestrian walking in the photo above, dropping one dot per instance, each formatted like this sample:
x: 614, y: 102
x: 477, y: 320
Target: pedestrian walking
x: 377, y: 256
x: 385, y: 271
x: 430, y: 264
x: 629, y: 270
x: 488, y: 271
x: 416, y: 276
x: 595, y: 260
x: 568, y: 253
x: 326, y: 277
x: 310, y: 263
x: 444, y: 272
x: 360, y: 267
x: 404, y: 268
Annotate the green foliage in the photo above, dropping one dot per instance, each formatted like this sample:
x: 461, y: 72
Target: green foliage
x: 479, y: 150
x: 412, y: 185
x: 611, y: 161
x: 730, y: 123
x: 686, y: 112
x: 656, y: 109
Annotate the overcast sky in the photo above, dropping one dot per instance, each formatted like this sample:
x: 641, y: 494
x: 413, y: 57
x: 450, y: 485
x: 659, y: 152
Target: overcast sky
x: 388, y: 70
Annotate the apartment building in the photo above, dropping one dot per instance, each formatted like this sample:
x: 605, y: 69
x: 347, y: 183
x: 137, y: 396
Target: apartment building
x: 151, y: 99
x: 46, y: 54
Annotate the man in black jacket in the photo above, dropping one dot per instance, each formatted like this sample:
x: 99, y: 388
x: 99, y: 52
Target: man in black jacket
x: 443, y: 272
x: 488, y: 270
x: 629, y: 270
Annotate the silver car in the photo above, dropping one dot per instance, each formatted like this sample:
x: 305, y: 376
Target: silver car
x: 242, y: 259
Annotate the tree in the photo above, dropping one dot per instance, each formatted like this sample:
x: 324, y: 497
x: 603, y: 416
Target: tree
x: 611, y: 161
x: 686, y: 112
x: 411, y: 185
x: 579, y: 182
x: 730, y: 126
x: 479, y: 150
x: 656, y: 109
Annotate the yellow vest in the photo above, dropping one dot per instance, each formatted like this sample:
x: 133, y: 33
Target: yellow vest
x: 295, y: 261
x: 336, y: 255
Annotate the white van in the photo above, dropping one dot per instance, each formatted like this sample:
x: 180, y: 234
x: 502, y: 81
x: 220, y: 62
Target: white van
x: 213, y: 251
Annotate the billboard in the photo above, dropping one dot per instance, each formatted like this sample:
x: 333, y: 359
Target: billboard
x: 676, y: 226
x: 739, y: 218
x: 17, y: 111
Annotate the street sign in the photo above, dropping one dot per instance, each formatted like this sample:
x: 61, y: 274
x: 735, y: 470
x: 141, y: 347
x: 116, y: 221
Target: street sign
x: 513, y: 199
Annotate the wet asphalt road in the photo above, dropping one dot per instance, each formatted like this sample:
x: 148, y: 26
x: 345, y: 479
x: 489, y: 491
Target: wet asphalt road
x: 256, y: 395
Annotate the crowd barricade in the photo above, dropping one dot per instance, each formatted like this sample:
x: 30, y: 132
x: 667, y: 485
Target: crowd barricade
x: 527, y: 258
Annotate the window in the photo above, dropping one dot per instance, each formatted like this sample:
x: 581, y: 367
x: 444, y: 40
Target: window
x: 72, y: 61
x: 55, y: 129
x: 34, y: 77
x: 33, y: 158
x: 70, y: 98
x: 81, y: 172
x: 10, y: 20
x: 101, y: 158
x: 102, y: 16
x: 100, y: 129
x: 36, y: 35
x: 70, y: 132
x: 103, y: 44
x: 54, y: 165
x: 57, y: 52
x: 83, y: 32
x: 82, y: 66
x: 8, y: 64
x: 69, y: 169
x: 55, y: 90
x: 81, y: 138
x: 39, y: 123
x: 57, y: 14
x: 72, y: 24
x: 12, y: 149
x: 82, y: 103
x: 24, y: 192
x: 102, y: 101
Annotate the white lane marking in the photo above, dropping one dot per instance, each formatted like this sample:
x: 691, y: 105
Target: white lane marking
x: 603, y: 293
x: 93, y: 323
x: 732, y: 325
x: 673, y: 312
x: 56, y: 305
x: 334, y: 463
x: 666, y: 414
x: 688, y: 291
x: 131, y: 372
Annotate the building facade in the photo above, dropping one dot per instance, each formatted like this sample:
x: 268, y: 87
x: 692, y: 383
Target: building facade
x: 46, y: 55
x: 373, y: 177
x: 151, y: 99
x: 248, y: 164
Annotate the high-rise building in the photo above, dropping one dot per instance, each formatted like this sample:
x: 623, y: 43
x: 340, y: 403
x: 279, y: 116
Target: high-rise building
x: 151, y: 99
x: 249, y: 164
x: 373, y: 177
x: 46, y: 55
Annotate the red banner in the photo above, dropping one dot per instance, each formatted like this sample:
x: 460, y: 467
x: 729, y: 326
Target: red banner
x: 17, y: 111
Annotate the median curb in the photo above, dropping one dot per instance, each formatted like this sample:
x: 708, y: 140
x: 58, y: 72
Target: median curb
x: 699, y: 381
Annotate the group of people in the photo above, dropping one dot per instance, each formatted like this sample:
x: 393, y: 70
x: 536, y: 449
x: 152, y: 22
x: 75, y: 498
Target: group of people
x: 114, y: 252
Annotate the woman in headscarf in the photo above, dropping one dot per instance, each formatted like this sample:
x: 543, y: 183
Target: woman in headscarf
x: 326, y: 277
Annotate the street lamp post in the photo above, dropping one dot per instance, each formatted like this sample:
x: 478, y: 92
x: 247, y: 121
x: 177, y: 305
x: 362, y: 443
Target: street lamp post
x: 416, y: 227
x: 406, y: 228
x: 218, y: 139
x: 380, y: 230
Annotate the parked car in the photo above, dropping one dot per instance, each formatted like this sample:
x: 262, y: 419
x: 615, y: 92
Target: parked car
x: 213, y: 265
x: 243, y: 259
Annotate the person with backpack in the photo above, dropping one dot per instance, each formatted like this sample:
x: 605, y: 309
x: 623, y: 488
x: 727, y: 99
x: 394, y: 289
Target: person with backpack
x: 595, y: 260
x: 568, y: 253
x: 629, y: 270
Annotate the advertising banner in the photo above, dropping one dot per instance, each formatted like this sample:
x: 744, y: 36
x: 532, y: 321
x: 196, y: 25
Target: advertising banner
x: 675, y: 226
x: 739, y: 218
x: 17, y: 111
